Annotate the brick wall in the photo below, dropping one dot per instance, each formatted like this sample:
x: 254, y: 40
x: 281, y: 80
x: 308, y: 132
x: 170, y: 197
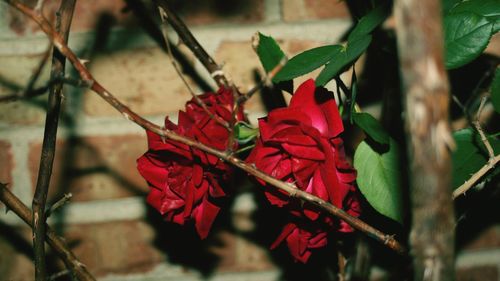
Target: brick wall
x: 107, y: 223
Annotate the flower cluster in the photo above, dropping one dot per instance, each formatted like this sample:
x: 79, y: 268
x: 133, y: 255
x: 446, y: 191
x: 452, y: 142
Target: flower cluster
x: 300, y: 144
x: 186, y: 183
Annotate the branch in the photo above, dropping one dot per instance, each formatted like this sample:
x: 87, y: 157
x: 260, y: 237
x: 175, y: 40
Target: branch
x: 476, y: 176
x: 492, y: 161
x: 62, y: 250
x: 197, y: 99
x: 64, y: 16
x: 65, y: 199
x: 289, y: 188
x: 420, y: 49
x: 187, y: 38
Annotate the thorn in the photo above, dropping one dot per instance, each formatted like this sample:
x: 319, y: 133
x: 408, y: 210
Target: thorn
x: 83, y: 61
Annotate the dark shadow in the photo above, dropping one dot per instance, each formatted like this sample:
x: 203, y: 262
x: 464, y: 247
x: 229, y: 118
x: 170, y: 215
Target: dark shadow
x: 221, y: 8
x: 144, y: 15
x: 470, y: 80
x: 477, y: 211
x: 182, y: 245
x: 14, y: 237
x: 271, y: 97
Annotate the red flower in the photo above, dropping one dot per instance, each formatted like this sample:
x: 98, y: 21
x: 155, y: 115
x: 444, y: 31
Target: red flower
x: 186, y: 182
x: 301, y: 144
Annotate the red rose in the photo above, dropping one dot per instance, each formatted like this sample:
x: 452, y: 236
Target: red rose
x: 185, y: 181
x: 301, y: 144
x: 301, y: 240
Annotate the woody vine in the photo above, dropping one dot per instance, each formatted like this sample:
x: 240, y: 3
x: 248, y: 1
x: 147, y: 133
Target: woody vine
x: 296, y: 153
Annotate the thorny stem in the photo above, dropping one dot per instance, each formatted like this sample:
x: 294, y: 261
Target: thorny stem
x: 187, y: 38
x: 289, y: 188
x: 61, y: 249
x: 65, y: 199
x: 64, y: 17
x: 197, y: 99
x: 492, y: 161
x: 476, y: 176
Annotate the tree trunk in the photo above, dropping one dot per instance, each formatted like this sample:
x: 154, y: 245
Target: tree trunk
x: 420, y: 46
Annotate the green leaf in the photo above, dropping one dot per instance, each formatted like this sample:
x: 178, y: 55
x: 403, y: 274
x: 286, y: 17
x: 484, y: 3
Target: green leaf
x: 371, y: 127
x: 466, y: 36
x: 495, y: 90
x: 343, y: 59
x: 470, y: 155
x: 369, y: 22
x: 378, y: 179
x: 490, y: 9
x: 447, y: 5
x: 269, y: 52
x: 306, y: 62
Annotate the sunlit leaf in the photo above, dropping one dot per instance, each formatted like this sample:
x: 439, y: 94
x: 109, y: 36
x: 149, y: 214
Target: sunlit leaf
x: 269, y: 52
x: 306, y: 62
x: 379, y: 178
x: 343, y: 59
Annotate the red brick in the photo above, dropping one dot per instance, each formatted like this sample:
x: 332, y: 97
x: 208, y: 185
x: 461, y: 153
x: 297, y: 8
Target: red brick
x: 89, y: 13
x: 95, y: 168
x: 240, y: 62
x: 487, y: 239
x: 15, y: 249
x: 6, y: 162
x: 6, y: 165
x: 116, y: 247
x: 16, y: 71
x: 143, y: 79
x: 204, y: 12
x: 86, y: 16
x: 494, y: 45
x: 479, y: 273
x: 299, y: 10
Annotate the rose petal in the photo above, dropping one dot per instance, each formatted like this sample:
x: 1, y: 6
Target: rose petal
x: 306, y: 152
x: 204, y: 216
x: 153, y: 174
x: 287, y: 229
x: 320, y: 106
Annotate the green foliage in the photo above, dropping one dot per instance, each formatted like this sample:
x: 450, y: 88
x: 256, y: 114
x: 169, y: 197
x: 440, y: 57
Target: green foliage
x: 369, y: 22
x: 447, y: 5
x: 343, y: 59
x: 466, y: 36
x: 269, y: 52
x: 495, y: 90
x: 336, y: 57
x: 371, y: 127
x: 379, y: 180
x: 306, y: 62
x: 490, y: 9
x: 470, y: 155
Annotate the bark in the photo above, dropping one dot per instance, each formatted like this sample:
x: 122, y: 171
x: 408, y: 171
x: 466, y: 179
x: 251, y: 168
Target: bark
x: 64, y: 18
x: 420, y: 46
